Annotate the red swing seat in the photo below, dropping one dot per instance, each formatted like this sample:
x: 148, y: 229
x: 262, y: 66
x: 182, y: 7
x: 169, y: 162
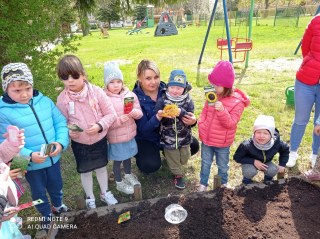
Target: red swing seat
x: 237, y: 45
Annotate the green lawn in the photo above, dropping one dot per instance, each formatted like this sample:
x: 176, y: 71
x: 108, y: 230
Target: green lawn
x: 262, y: 81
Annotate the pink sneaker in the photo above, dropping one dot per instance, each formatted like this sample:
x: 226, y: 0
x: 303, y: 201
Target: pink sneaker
x: 312, y: 176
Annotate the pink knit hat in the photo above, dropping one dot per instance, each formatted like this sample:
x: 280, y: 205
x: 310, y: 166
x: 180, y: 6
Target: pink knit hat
x: 222, y: 74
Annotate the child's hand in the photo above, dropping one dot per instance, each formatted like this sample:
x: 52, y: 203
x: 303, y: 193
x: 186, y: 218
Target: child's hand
x: 123, y: 118
x: 218, y: 106
x: 260, y: 166
x: 189, y: 119
x: 8, y: 213
x: 281, y: 169
x: 134, y: 113
x: 36, y: 158
x: 317, y: 129
x: 74, y: 134
x: 159, y: 115
x: 94, y: 129
x: 21, y: 138
x: 57, y: 149
x: 14, y: 173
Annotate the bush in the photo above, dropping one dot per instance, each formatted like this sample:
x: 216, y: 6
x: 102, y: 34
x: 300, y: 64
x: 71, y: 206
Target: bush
x: 28, y: 30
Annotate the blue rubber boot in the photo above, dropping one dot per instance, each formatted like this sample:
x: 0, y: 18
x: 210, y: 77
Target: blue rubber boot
x: 246, y: 181
x: 267, y: 179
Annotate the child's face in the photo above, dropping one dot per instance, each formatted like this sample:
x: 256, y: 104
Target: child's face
x: 262, y: 136
x: 20, y: 91
x: 115, y: 86
x: 175, y: 91
x: 219, y: 89
x: 75, y: 85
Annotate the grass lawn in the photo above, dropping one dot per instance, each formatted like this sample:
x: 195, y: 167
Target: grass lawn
x: 271, y: 70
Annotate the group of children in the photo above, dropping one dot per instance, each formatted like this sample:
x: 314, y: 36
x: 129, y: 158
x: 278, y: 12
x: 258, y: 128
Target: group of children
x: 102, y: 127
x: 91, y: 115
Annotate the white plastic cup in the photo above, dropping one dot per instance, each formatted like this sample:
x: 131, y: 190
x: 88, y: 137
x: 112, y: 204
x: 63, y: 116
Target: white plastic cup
x: 175, y: 214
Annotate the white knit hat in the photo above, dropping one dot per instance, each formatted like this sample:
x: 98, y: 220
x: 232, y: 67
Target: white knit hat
x: 264, y: 122
x: 14, y: 72
x: 112, y: 72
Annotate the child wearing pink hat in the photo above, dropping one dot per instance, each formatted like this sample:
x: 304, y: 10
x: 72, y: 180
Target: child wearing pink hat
x: 218, y: 122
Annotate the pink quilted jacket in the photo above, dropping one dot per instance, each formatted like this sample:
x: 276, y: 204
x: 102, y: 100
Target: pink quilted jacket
x: 218, y: 128
x: 309, y: 71
x: 123, y: 131
x: 7, y: 151
x: 84, y: 117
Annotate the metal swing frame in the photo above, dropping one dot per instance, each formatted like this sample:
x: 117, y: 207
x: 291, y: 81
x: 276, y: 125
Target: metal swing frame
x: 233, y: 45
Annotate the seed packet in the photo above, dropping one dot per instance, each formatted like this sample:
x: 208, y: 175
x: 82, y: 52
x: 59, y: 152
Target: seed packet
x: 46, y: 149
x: 13, y: 133
x: 30, y: 204
x: 124, y: 217
x: 20, y: 162
x: 128, y: 104
x: 24, y: 206
x: 74, y: 127
x: 211, y: 95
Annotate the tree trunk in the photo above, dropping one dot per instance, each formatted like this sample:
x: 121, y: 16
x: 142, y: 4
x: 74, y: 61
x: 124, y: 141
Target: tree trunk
x: 86, y: 31
x: 85, y: 26
x: 128, y: 6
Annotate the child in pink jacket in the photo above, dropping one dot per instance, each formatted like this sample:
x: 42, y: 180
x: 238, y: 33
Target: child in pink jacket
x: 218, y: 122
x: 7, y: 152
x: 90, y: 113
x: 122, y: 145
x: 8, y: 192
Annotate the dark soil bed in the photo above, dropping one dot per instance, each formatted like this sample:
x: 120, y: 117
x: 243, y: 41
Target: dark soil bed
x: 289, y: 210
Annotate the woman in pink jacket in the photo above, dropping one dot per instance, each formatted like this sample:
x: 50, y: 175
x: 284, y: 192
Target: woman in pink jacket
x: 90, y: 114
x: 218, y: 122
x: 122, y: 145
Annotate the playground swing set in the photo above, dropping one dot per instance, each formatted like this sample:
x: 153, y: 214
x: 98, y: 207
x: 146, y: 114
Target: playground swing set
x: 238, y: 48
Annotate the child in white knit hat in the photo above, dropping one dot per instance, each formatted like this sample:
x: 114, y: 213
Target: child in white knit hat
x: 256, y: 154
x: 121, y: 135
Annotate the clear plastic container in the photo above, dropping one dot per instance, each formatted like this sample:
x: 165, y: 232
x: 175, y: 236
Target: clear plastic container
x: 175, y: 214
